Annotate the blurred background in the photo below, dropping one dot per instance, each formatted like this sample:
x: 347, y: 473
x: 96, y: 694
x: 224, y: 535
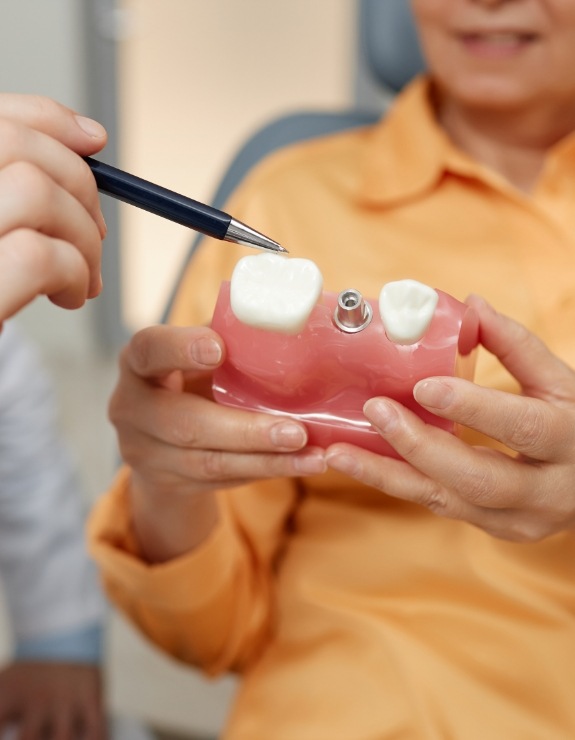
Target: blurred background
x: 179, y: 84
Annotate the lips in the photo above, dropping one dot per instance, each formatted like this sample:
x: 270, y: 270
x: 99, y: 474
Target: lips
x: 497, y: 42
x: 500, y: 37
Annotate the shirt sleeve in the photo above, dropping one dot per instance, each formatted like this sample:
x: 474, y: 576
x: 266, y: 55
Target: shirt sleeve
x: 50, y: 585
x: 81, y: 645
x: 214, y: 607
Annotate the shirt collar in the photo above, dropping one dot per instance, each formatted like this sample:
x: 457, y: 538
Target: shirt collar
x: 407, y: 153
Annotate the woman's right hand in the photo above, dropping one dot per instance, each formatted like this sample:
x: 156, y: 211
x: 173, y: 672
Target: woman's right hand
x: 182, y: 446
x: 51, y: 225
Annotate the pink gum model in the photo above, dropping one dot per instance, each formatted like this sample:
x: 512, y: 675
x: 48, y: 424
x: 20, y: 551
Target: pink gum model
x: 324, y: 374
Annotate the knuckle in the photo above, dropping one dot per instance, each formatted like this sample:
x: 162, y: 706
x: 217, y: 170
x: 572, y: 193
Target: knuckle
x: 526, y: 530
x: 434, y: 497
x: 532, y: 429
x: 43, y: 110
x: 411, y: 444
x: 479, y: 486
x: 31, y: 182
x: 12, y: 135
x: 185, y: 431
x: 26, y: 251
x: 212, y: 465
x: 138, y: 353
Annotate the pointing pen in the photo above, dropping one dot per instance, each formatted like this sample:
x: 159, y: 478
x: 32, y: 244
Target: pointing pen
x: 176, y: 207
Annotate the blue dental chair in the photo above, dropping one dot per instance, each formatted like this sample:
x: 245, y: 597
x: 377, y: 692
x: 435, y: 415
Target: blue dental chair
x: 389, y: 58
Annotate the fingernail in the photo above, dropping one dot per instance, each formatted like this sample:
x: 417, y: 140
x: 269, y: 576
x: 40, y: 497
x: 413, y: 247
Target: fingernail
x: 433, y: 393
x: 310, y: 464
x: 206, y: 351
x: 343, y: 463
x: 381, y: 414
x: 288, y: 435
x: 91, y: 127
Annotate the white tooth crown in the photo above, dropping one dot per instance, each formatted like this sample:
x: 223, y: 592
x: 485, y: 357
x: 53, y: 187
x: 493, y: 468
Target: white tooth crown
x: 270, y: 291
x: 406, y: 308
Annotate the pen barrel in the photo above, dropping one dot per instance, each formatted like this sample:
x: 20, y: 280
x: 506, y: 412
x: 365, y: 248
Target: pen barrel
x: 158, y: 200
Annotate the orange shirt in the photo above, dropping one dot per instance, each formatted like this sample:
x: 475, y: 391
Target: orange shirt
x: 353, y: 616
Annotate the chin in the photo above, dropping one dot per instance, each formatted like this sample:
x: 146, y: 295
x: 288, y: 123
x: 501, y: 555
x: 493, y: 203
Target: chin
x: 489, y: 92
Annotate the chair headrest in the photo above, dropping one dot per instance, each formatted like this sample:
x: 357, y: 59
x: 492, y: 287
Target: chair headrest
x: 389, y: 42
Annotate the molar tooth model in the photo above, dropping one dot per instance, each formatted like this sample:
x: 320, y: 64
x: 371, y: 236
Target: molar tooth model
x: 318, y: 356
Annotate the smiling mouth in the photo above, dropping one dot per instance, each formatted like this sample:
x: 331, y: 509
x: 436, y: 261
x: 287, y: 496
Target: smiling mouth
x: 500, y: 38
x: 497, y: 45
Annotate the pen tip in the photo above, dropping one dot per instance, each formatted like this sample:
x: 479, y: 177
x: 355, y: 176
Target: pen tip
x: 240, y: 233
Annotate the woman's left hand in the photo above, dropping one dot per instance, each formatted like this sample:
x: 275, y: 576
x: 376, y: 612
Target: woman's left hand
x: 522, y: 497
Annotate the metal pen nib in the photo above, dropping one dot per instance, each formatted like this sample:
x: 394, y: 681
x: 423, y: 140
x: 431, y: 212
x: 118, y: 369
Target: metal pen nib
x: 240, y: 233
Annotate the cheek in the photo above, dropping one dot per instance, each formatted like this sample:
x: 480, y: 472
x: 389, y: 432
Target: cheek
x: 432, y: 20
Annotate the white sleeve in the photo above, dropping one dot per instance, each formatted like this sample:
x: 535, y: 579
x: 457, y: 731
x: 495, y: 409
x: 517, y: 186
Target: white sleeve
x: 50, y: 584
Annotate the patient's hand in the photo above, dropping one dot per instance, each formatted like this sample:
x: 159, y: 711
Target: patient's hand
x: 522, y: 497
x: 182, y: 446
x: 52, y: 701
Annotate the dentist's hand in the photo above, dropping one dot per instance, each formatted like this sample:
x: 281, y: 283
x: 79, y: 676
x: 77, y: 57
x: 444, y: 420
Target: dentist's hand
x: 523, y: 497
x: 49, y: 700
x: 51, y: 226
x: 182, y: 446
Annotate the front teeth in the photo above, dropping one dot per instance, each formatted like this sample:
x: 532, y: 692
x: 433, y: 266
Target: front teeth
x: 272, y: 292
x: 406, y: 308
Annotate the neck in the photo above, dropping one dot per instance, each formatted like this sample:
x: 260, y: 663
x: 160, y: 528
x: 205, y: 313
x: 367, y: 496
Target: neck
x: 511, y: 142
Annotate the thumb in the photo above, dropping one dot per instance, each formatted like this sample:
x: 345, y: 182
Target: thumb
x: 158, y: 351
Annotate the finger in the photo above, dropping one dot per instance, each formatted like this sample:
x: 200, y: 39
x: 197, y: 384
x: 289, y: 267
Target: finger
x: 188, y: 421
x: 194, y: 469
x: 399, y: 479
x: 34, y: 724
x: 83, y: 135
x: 62, y: 723
x: 540, y: 373
x: 23, y: 144
x: 474, y: 474
x: 160, y: 350
x: 30, y: 199
x: 531, y: 427
x: 32, y: 264
x: 91, y: 725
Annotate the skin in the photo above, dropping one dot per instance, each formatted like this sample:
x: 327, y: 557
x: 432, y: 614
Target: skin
x: 504, y: 103
x: 51, y: 225
x: 53, y: 701
x: 522, y: 498
x: 51, y: 231
x: 182, y: 447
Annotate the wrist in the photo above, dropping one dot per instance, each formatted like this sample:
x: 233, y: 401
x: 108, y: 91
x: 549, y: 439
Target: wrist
x: 169, y: 523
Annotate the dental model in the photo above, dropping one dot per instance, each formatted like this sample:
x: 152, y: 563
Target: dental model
x: 318, y: 357
x: 274, y: 292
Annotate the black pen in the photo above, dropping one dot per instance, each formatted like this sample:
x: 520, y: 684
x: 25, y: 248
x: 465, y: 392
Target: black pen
x: 176, y: 207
